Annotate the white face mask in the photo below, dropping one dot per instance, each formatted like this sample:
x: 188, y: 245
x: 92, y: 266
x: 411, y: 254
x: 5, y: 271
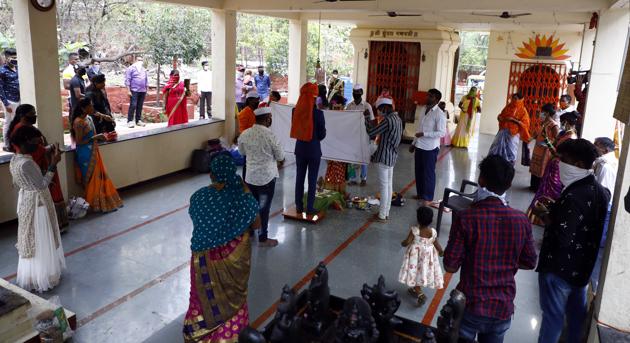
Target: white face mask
x: 205, y: 68
x: 570, y: 173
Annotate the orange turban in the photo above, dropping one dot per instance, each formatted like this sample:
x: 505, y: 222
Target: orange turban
x: 302, y: 120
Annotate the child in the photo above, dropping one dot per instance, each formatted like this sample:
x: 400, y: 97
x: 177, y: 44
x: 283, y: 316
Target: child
x: 421, y: 265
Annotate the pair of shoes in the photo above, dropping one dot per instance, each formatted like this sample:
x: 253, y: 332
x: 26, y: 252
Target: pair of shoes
x: 363, y: 183
x: 412, y: 292
x: 131, y: 124
x: 353, y: 183
x: 378, y: 219
x: 141, y: 123
x: 269, y: 243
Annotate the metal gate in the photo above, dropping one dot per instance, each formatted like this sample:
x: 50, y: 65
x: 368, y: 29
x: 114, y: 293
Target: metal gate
x: 540, y: 83
x: 396, y: 66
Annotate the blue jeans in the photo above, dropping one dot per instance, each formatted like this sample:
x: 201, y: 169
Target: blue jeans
x: 425, y: 161
x: 264, y: 196
x: 135, y: 106
x: 362, y: 175
x: 485, y: 329
x: 600, y: 254
x: 559, y: 299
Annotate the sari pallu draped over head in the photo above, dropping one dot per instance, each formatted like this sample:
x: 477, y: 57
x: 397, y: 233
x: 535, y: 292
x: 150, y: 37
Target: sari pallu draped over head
x: 516, y: 109
x: 221, y: 255
x: 302, y: 119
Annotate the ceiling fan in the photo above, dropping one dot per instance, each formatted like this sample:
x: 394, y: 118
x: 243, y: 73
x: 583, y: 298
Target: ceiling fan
x: 503, y: 15
x: 394, y: 15
x: 333, y: 1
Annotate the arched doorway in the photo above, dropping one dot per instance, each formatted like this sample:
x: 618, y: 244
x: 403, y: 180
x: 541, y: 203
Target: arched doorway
x: 395, y: 65
x: 540, y: 83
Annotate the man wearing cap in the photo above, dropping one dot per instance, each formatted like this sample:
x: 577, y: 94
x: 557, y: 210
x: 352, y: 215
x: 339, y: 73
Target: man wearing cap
x: 390, y: 129
x: 263, y: 154
x: 246, y: 117
x: 240, y: 89
x: 426, y: 145
x: 358, y: 104
x: 263, y: 83
x: 335, y: 85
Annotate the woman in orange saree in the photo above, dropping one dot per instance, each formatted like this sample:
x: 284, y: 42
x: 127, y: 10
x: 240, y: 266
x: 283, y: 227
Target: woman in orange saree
x: 176, y: 99
x: 100, y: 192
x: 26, y: 115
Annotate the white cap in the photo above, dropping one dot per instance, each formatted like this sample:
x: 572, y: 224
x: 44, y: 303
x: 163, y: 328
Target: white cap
x: 252, y: 94
x: 357, y: 86
x: 383, y: 101
x: 262, y: 111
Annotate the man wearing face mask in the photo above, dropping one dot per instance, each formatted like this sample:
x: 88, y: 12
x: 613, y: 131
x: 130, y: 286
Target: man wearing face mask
x: 204, y: 88
x: 240, y: 90
x: 573, y: 230
x: 263, y: 83
x: 358, y: 104
x: 490, y: 242
x: 9, y: 92
x: 263, y: 156
x: 335, y: 85
x: 94, y: 70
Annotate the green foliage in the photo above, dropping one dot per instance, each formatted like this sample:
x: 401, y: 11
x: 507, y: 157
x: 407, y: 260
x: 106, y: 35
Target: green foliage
x: 6, y: 42
x: 335, y: 49
x: 67, y: 48
x: 473, y: 54
x: 164, y: 33
x: 263, y: 40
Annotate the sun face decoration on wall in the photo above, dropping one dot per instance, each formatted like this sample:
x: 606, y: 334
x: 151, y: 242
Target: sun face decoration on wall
x: 543, y: 48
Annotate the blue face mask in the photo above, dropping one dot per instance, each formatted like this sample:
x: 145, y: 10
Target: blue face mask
x: 483, y: 193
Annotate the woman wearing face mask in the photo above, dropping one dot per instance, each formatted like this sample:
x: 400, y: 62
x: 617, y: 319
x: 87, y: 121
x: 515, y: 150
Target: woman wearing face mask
x: 39, y: 243
x: 176, y: 95
x: 100, y: 191
x: 547, y: 133
x: 551, y: 185
x: 25, y: 115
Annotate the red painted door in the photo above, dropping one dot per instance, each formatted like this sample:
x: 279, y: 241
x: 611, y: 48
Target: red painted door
x: 396, y: 66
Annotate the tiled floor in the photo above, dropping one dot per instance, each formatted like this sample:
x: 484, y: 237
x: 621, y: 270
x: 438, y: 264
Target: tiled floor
x: 128, y: 273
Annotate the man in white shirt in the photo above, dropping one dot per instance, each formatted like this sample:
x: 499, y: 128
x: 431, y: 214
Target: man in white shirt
x: 204, y: 88
x: 358, y: 104
x: 263, y: 156
x: 565, y: 107
x: 605, y: 168
x: 426, y: 146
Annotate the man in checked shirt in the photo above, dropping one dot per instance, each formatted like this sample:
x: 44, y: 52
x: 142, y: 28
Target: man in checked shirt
x: 490, y: 242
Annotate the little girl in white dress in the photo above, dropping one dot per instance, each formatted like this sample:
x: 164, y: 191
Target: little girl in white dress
x: 421, y: 265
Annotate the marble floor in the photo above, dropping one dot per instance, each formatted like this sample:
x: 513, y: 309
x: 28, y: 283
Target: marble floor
x: 128, y: 272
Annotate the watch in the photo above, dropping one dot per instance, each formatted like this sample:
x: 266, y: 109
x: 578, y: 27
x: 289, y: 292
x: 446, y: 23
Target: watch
x: 43, y: 5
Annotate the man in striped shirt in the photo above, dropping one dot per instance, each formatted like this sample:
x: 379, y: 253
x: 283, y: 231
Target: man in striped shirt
x: 390, y: 129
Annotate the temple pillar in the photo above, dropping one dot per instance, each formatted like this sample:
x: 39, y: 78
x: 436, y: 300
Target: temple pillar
x: 298, y: 31
x: 224, y: 69
x: 36, y: 45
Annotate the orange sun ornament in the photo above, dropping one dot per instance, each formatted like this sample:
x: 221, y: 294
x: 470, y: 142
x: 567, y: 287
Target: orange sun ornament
x: 543, y: 48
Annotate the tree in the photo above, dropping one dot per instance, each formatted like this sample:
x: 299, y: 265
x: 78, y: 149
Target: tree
x: 165, y: 36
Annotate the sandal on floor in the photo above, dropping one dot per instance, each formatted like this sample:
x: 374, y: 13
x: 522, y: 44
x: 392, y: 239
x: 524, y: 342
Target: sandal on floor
x: 413, y: 292
x: 422, y: 298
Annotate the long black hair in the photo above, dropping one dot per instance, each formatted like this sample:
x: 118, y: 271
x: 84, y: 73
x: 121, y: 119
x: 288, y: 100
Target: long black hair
x: 20, y: 112
x: 77, y: 112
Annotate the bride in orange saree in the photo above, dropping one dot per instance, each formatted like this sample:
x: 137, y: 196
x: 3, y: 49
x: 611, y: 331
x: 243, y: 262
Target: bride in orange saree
x: 100, y: 192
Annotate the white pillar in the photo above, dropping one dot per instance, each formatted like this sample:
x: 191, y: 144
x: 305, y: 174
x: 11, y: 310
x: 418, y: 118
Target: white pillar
x: 36, y: 45
x: 605, y: 72
x: 298, y: 31
x: 224, y: 69
x: 613, y: 304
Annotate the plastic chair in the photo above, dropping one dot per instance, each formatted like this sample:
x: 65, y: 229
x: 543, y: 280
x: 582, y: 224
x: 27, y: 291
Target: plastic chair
x: 459, y: 201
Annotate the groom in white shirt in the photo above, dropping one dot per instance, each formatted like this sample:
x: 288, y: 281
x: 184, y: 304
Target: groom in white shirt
x: 426, y: 146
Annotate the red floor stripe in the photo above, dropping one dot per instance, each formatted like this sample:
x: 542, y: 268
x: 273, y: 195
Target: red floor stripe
x: 435, y: 303
x: 265, y: 315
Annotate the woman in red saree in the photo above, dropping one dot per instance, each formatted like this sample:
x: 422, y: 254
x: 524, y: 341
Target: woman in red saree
x: 25, y: 115
x: 175, y: 100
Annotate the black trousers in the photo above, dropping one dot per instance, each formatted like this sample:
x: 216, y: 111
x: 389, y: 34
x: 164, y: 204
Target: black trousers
x: 304, y: 164
x: 205, y: 104
x: 264, y: 196
x: 135, y: 106
x: 425, y: 161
